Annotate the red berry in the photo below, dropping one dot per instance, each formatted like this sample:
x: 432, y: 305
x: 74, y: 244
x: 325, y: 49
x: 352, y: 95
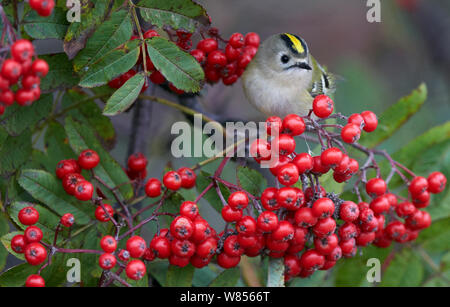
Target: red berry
x: 153, y: 187
x: 135, y: 269
x: 232, y: 247
x: 349, y: 211
x: 323, y: 106
x: 260, y: 150
x: 287, y: 197
x: 217, y: 58
x: 67, y: 220
x: 395, y: 230
x: 40, y: 68
x: 43, y: 7
x: 188, y: 177
x: 181, y: 228
x: 267, y: 221
x: 150, y: 33
x: 304, y: 162
x: 304, y: 217
x: 288, y: 174
x: 199, y: 55
x: 108, y: 244
x: 22, y: 50
x: 226, y: 261
x: 65, y: 167
x: 324, y: 227
x: 274, y: 125
x: 30, y: 82
x: 7, y: 97
x: 157, y: 78
x: 436, y: 182
x: 331, y: 157
x: 189, y: 209
x: 232, y: 53
x: 269, y: 199
x: 252, y: 39
x: 405, y: 209
x: 312, y: 260
x: 284, y: 144
x: 24, y: 97
x: 207, y: 248
x: 380, y: 205
x: 18, y: 244
x: 136, y: 246
x: 418, y: 185
x: 88, y: 159
x: 323, y: 207
x: 347, y: 231
x: 238, y: 200
x: 207, y: 45
x: 124, y: 255
x: 182, y: 248
x: 370, y: 121
x: 28, y: 216
x: 326, y: 245
x: 350, y: 133
x: 356, y: 119
x: 230, y: 215
x: 84, y: 191
x: 107, y: 261
x: 376, y: 187
x: 160, y: 247
x: 35, y: 253
x: 11, y: 70
x: 33, y: 234
x: 318, y: 167
x: 365, y: 238
x: 236, y: 40
x: 293, y: 125
x: 172, y: 180
x: 137, y: 162
x: 284, y: 231
x: 103, y: 216
x: 246, y: 226
x: 348, y: 247
x: 34, y: 280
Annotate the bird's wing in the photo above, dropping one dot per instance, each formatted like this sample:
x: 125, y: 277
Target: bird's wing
x: 323, y: 82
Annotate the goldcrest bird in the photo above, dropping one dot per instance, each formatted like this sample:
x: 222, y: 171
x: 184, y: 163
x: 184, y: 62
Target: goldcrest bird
x: 284, y: 78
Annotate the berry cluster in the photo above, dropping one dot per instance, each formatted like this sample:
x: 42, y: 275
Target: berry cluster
x: 43, y: 7
x: 20, y: 76
x: 321, y: 224
x: 69, y: 171
x: 226, y: 64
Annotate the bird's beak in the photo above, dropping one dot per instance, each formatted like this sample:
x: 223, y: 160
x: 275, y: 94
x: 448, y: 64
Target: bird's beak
x: 304, y: 65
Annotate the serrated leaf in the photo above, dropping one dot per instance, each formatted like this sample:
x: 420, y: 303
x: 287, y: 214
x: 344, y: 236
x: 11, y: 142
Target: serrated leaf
x: 4, y: 229
x: 53, y: 26
x: 406, y: 270
x: 81, y: 138
x: 60, y: 72
x: 92, y: 15
x: 17, y: 275
x: 125, y: 96
x: 18, y: 119
x: 179, y: 277
x: 179, y: 14
x: 275, y: 275
x: 14, y: 152
x: 108, y: 36
x: 211, y: 196
x: 179, y: 67
x: 49, y: 191
x: 395, y: 116
x: 228, y: 278
x: 6, y: 241
x: 251, y: 180
x: 112, y: 64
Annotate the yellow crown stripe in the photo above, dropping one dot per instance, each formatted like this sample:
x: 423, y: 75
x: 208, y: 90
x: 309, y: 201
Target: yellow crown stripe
x: 296, y: 44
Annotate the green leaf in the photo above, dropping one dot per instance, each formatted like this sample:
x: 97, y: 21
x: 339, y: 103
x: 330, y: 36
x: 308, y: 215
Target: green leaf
x: 49, y: 191
x: 275, y: 276
x: 406, y: 270
x: 112, y: 64
x: 6, y: 241
x: 81, y: 138
x: 93, y: 13
x: 211, y: 196
x: 4, y: 229
x: 179, y: 14
x: 179, y: 67
x: 228, y: 278
x: 19, y: 118
x: 395, y: 116
x: 90, y: 114
x: 251, y: 180
x: 408, y: 154
x: 17, y: 275
x: 14, y: 152
x: 60, y: 72
x: 108, y: 36
x: 53, y: 26
x: 436, y: 238
x: 125, y: 96
x: 179, y: 277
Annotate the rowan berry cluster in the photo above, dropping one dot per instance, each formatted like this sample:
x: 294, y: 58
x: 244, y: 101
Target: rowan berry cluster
x: 226, y: 64
x: 43, y: 7
x: 20, y: 76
